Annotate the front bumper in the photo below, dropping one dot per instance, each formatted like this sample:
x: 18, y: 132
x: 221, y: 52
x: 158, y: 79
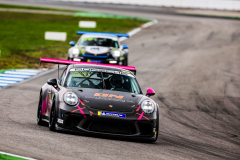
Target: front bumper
x: 99, y: 60
x: 92, y: 123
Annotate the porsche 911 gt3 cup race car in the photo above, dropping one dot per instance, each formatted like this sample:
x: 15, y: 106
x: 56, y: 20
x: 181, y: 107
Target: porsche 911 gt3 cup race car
x: 99, y: 99
x: 99, y: 47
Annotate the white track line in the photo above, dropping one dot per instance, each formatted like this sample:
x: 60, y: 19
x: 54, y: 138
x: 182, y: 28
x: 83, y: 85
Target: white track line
x: 16, y: 76
x: 21, y: 73
x: 13, y: 76
x: 14, y: 155
x: 3, y: 85
x: 135, y: 31
x: 7, y: 82
x: 25, y: 70
x: 11, y: 79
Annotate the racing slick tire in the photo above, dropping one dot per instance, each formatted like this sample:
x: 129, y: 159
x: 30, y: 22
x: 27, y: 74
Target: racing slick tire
x: 157, y: 127
x: 39, y: 112
x: 53, y: 118
x: 125, y: 62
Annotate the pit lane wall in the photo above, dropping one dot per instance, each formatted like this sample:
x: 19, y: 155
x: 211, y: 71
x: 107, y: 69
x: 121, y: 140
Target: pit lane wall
x: 230, y: 5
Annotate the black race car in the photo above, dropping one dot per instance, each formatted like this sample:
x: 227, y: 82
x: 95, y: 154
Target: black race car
x: 98, y: 99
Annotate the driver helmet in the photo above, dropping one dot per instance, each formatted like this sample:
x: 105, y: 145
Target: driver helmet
x: 117, y: 81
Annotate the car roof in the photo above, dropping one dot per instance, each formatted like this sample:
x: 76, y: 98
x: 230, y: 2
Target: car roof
x: 100, y: 35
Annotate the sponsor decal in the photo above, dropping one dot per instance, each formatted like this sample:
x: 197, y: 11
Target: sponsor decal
x: 108, y: 95
x: 60, y: 121
x: 81, y: 74
x: 111, y: 114
x: 123, y: 72
x: 105, y: 98
x: 94, y: 49
x: 154, y: 129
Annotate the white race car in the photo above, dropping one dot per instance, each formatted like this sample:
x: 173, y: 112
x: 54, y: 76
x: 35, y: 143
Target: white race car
x: 99, y: 47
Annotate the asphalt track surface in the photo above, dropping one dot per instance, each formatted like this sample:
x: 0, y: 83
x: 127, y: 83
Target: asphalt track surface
x: 192, y: 63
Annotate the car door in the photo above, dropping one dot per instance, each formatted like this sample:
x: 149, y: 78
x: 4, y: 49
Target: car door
x: 51, y: 91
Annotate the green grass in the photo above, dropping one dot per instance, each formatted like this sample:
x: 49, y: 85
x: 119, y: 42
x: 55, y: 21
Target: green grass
x: 3, y: 70
x: 7, y: 157
x: 105, y: 15
x: 22, y: 36
x: 31, y: 7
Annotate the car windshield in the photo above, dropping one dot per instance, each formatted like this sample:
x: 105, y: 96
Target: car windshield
x: 93, y: 41
x: 103, y: 79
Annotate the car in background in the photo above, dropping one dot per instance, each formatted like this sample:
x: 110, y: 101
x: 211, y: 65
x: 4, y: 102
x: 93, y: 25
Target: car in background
x: 99, y: 47
x: 98, y: 99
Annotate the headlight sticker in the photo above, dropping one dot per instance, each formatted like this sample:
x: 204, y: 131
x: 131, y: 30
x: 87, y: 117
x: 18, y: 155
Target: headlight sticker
x: 141, y: 115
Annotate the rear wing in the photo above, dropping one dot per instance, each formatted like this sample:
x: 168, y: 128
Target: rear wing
x: 114, y: 34
x: 67, y: 62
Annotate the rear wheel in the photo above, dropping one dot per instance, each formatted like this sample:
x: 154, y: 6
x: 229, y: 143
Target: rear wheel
x: 39, y: 111
x: 53, y: 118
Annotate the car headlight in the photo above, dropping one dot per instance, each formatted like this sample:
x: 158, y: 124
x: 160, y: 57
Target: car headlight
x: 75, y: 51
x: 116, y: 54
x: 147, y: 106
x: 70, y: 98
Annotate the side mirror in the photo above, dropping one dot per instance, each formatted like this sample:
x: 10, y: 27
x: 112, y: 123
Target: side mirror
x: 72, y: 43
x: 150, y: 92
x: 125, y: 46
x: 52, y: 82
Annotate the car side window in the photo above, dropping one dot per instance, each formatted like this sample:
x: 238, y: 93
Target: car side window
x: 62, y: 77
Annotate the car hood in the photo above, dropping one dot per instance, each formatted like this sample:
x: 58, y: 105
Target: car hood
x: 96, y: 49
x: 109, y: 100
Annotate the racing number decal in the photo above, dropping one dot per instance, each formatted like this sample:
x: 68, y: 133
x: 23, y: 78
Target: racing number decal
x: 108, y: 95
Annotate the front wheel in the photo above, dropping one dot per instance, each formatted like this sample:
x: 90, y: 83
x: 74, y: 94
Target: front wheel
x: 39, y: 112
x: 53, y: 118
x: 157, y: 127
